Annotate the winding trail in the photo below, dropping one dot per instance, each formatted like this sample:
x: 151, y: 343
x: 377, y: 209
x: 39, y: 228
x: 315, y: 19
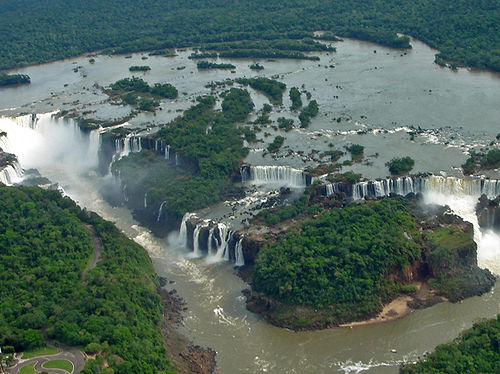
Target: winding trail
x: 98, y: 250
x: 75, y: 356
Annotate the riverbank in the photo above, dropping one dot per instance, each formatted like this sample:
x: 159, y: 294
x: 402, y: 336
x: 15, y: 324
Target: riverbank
x: 186, y: 357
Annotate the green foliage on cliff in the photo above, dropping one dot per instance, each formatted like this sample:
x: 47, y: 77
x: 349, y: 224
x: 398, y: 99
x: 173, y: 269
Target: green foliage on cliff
x: 209, y: 147
x: 340, y: 260
x: 476, y: 350
x: 45, y: 246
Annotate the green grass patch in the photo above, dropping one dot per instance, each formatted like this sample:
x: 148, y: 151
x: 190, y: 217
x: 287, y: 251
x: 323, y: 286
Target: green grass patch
x: 44, y: 351
x: 59, y: 364
x: 28, y: 369
x: 449, y: 238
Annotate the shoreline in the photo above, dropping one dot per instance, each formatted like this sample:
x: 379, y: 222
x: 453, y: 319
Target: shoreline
x: 186, y: 357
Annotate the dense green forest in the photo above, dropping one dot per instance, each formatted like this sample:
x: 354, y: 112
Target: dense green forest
x: 476, y: 350
x: 114, y: 309
x: 466, y: 32
x: 340, y: 260
x: 210, y: 147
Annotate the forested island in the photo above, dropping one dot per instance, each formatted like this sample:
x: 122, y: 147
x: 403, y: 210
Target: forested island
x: 325, y: 262
x: 70, y: 276
x: 463, y: 33
x: 13, y: 79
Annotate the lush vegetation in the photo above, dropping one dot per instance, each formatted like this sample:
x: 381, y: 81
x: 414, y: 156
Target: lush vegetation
x: 402, y: 165
x: 276, y: 144
x: 310, y: 111
x: 478, y: 161
x: 270, y: 49
x: 269, y: 87
x: 114, y: 309
x: 139, y: 68
x: 285, y: 123
x: 464, y: 33
x: 213, y: 65
x: 13, y: 79
x: 210, y: 148
x: 136, y: 92
x: 237, y: 105
x: 341, y: 259
x: 256, y: 66
x: 41, y: 351
x: 476, y: 350
x: 295, y: 97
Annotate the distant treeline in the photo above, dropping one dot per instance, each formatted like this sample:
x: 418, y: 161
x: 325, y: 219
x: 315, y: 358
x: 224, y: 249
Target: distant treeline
x: 465, y: 33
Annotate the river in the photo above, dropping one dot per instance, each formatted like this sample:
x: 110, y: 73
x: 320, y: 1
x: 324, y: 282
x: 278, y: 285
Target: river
x: 458, y: 110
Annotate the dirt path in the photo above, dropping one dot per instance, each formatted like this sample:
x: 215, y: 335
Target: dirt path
x: 98, y: 249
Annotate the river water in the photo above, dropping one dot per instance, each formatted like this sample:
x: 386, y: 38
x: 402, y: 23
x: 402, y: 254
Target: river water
x: 458, y: 110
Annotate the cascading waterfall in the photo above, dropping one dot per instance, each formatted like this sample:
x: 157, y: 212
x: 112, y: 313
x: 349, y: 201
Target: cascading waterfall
x: 210, y: 245
x: 423, y: 184
x: 460, y: 194
x: 182, y: 238
x: 278, y: 176
x: 12, y: 172
x: 160, y: 209
x: 238, y: 251
x: 196, y: 241
x: 167, y: 152
x: 145, y: 200
x: 35, y: 139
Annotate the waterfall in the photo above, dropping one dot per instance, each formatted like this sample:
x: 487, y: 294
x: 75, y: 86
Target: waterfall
x: 182, y: 238
x: 331, y: 188
x: 95, y: 141
x: 434, y: 183
x: 196, y: 240
x: 278, y: 175
x: 12, y: 171
x: 176, y: 159
x: 167, y: 152
x: 146, y: 201
x: 238, y: 251
x: 159, y: 209
x: 11, y: 174
x: 463, y: 204
x: 42, y: 140
x: 210, y: 247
